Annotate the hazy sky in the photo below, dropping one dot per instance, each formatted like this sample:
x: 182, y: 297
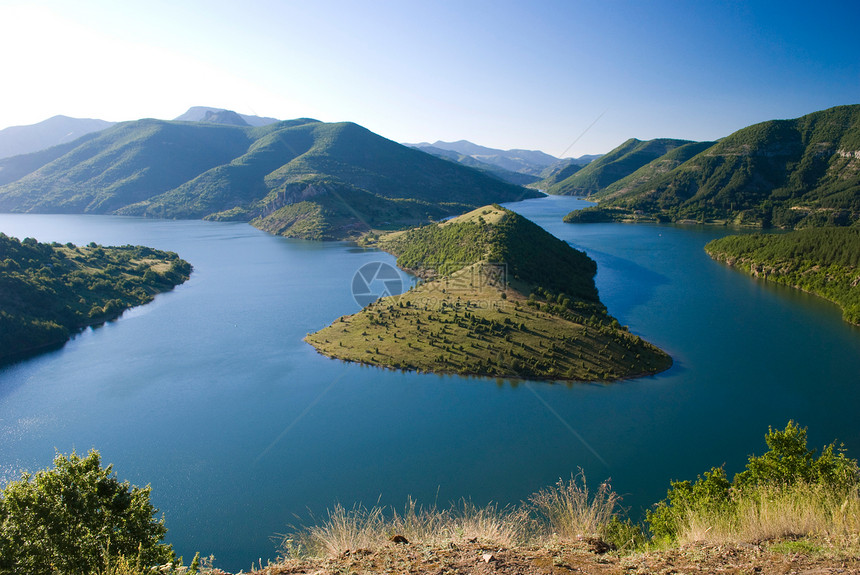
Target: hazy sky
x: 504, y: 74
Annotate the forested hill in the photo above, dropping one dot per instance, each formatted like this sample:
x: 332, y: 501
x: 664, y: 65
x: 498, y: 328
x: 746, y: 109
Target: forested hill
x: 785, y: 173
x: 533, y: 258
x: 49, y: 291
x: 823, y: 261
x: 300, y: 178
x: 501, y: 297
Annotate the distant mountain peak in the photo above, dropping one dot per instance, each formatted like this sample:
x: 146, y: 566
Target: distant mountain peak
x: 199, y: 113
x: 227, y: 117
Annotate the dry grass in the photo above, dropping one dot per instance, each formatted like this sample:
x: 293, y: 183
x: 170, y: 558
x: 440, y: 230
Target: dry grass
x: 371, y: 528
x: 767, y: 514
x: 570, y: 512
x: 566, y: 511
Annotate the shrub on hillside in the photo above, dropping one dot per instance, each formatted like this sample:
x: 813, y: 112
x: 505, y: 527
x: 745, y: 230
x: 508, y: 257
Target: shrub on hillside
x: 787, y: 470
x: 74, y: 518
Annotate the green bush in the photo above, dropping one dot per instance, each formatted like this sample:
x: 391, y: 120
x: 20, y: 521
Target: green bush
x: 74, y: 518
x: 787, y: 464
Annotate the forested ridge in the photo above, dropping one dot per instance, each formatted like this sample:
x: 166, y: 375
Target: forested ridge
x: 823, y: 261
x: 49, y: 291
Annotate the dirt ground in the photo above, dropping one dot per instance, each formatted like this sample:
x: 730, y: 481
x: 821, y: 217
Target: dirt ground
x: 585, y: 557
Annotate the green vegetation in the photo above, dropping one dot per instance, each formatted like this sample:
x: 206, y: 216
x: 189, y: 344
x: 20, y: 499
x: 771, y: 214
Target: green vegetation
x: 786, y: 492
x: 656, y: 167
x: 823, y: 261
x: 617, y: 164
x: 799, y: 502
x: 349, y: 179
x: 49, y: 291
x: 77, y: 519
x: 784, y: 173
x: 599, y: 215
x: 471, y: 315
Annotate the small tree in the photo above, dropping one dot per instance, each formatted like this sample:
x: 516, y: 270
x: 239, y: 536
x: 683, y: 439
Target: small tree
x: 72, y: 518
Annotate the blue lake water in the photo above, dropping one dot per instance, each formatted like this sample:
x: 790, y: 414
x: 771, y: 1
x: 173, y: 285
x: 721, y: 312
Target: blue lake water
x: 210, y: 395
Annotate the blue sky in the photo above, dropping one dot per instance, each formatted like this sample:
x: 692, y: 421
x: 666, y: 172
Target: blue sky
x: 503, y: 74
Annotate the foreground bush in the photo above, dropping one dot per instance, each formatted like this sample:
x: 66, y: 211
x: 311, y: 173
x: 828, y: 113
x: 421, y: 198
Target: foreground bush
x: 76, y: 517
x: 787, y: 492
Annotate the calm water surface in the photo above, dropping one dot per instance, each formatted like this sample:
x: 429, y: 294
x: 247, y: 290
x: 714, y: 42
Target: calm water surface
x: 210, y: 395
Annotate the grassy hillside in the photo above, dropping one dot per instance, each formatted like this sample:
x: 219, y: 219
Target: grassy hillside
x: 203, y: 170
x: 607, y: 169
x: 786, y: 173
x: 49, y: 291
x: 823, y: 261
x: 500, y: 297
x: 16, y: 167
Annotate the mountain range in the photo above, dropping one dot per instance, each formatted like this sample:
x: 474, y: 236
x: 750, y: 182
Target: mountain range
x: 786, y: 173
x: 16, y: 140
x: 299, y: 178
x: 520, y: 167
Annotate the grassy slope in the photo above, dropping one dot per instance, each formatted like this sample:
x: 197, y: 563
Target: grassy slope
x: 790, y: 173
x: 49, y: 291
x: 617, y: 164
x: 823, y: 261
x: 468, y: 319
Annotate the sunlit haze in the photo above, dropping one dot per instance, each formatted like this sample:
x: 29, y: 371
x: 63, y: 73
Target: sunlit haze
x: 529, y: 75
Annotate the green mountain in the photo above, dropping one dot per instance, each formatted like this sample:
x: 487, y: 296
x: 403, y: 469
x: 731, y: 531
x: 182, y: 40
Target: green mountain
x: 787, y: 173
x: 611, y: 167
x: 501, y: 297
x: 50, y: 291
x: 302, y: 177
x: 664, y: 164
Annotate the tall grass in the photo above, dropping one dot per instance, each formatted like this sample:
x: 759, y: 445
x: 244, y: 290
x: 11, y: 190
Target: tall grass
x: 568, y: 511
x: 565, y: 511
x: 771, y: 513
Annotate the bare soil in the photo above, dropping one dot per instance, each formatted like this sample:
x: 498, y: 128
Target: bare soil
x: 586, y: 557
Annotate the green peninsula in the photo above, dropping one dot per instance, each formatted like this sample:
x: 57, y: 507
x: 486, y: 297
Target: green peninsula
x: 499, y: 297
x: 50, y: 291
x: 822, y: 261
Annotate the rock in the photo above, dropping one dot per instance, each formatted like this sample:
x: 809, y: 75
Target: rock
x: 399, y: 539
x: 487, y: 557
x: 599, y: 546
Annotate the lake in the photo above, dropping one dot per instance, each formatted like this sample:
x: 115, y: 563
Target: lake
x: 210, y: 395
